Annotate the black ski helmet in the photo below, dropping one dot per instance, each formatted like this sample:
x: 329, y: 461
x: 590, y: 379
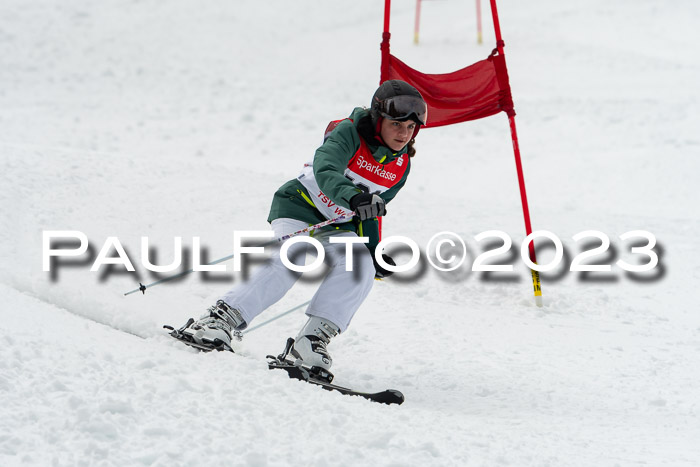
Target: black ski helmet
x: 398, y: 100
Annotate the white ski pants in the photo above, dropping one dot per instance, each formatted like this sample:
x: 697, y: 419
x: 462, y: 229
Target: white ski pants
x: 339, y: 295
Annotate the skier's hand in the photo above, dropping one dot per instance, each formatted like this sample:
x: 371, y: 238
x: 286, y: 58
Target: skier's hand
x: 381, y: 273
x: 367, y: 206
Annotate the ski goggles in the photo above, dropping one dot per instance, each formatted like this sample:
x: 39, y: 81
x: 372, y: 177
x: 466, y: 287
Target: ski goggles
x: 403, y: 107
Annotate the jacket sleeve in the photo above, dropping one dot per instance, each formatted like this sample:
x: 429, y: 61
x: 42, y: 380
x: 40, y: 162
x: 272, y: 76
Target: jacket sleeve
x: 331, y: 160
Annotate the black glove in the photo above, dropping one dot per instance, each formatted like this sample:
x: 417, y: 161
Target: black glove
x: 381, y: 273
x: 367, y: 206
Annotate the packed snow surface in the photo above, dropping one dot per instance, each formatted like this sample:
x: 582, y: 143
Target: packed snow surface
x: 180, y: 119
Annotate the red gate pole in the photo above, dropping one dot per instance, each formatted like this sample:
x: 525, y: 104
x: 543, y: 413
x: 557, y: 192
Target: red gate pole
x: 519, y: 167
x: 479, y: 36
x: 386, y: 35
x: 384, y: 73
x: 416, y: 29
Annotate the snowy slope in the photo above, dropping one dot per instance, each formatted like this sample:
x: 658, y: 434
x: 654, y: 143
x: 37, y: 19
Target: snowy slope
x: 144, y: 118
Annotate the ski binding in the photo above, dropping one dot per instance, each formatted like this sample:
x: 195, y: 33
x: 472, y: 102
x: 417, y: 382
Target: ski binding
x: 187, y: 339
x: 323, y: 378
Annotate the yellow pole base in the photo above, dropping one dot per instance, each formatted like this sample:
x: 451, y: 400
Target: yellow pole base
x: 537, y: 287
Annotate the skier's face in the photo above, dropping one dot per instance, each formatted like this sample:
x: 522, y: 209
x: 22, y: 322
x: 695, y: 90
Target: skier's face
x: 397, y: 134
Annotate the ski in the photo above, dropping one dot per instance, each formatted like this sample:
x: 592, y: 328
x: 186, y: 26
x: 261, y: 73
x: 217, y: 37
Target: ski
x: 315, y: 375
x: 323, y: 378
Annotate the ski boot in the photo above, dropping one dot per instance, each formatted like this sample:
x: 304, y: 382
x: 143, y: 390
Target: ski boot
x: 309, y: 349
x: 214, y: 330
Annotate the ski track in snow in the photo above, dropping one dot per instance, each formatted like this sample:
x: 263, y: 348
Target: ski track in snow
x: 91, y: 391
x: 163, y: 120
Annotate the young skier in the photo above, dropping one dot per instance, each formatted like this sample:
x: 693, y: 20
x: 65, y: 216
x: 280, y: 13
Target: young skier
x: 362, y: 164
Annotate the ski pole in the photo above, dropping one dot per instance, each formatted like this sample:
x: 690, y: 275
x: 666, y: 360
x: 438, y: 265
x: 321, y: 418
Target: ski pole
x: 142, y: 288
x: 275, y: 318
